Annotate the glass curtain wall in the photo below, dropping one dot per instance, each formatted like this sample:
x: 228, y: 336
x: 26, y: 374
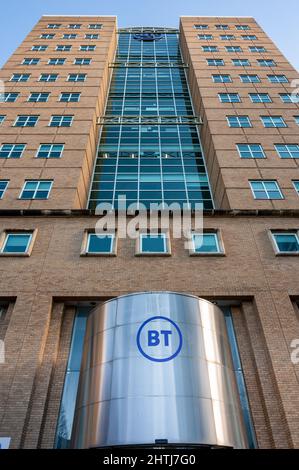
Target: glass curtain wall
x: 149, y: 147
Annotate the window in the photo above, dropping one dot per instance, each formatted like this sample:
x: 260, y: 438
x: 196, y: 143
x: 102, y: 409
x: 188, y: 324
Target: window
x: 239, y: 121
x: 92, y: 36
x: 258, y: 49
x: 100, y: 244
x: 48, y: 77
x: 251, y: 151
x: 20, y: 77
x: 63, y: 48
x: 265, y: 190
x: 3, y: 187
x: 74, y: 26
x: 205, y: 37
x: 69, y: 36
x: 233, y: 49
x: 2, y: 118
x: 222, y: 27
x: 249, y: 37
x: 229, y: 97
x: 209, y: 48
x: 38, y: 97
x: 215, y: 62
x: 17, y: 242
x: 8, y: 97
x: 50, y: 151
x: 61, y: 121
x: 56, y: 61
x: 273, y: 121
x: 82, y: 61
x: 39, y: 48
x: 286, y: 242
x: 277, y: 79
x: 76, y: 77
x: 95, y: 26
x: 86, y: 48
x: 267, y: 63
x: 241, y: 62
x: 242, y: 27
x: 47, y: 36
x: 289, y: 98
x: 70, y: 97
x: 153, y: 243
x: 12, y: 150
x: 227, y: 37
x: 201, y: 26
x: 287, y: 151
x: 37, y: 189
x: 250, y: 79
x: 296, y: 186
x: 296, y: 119
x: 222, y: 78
x: 53, y: 26
x: 260, y: 98
x: 26, y: 121
x: 205, y: 243
x: 30, y: 61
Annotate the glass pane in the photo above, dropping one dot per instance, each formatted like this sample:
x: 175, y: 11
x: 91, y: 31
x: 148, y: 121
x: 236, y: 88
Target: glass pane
x: 205, y: 243
x: 100, y: 243
x: 16, y: 243
x: 153, y: 243
x: 287, y: 242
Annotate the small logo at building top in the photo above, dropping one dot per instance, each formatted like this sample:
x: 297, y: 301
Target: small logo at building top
x: 159, y: 339
x: 148, y: 37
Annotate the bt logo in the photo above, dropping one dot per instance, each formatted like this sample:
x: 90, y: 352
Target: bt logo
x: 159, y: 339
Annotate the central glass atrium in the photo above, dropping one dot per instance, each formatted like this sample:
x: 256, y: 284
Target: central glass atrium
x: 149, y: 149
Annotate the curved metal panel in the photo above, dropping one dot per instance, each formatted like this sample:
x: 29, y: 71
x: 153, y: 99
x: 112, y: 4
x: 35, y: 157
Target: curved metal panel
x: 157, y: 365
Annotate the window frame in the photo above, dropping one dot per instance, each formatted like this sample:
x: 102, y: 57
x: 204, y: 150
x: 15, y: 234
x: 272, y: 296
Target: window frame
x: 70, y: 93
x: 219, y: 243
x: 10, y: 152
x: 252, y: 157
x: 86, y: 243
x: 51, y: 149
x: 167, y: 243
x: 35, y: 190
x: 4, y: 238
x: 294, y: 184
x: 229, y: 95
x: 287, y: 150
x: 38, y: 93
x: 273, y: 232
x: 260, y: 100
x: 266, y: 191
x: 272, y: 118
x: 3, y: 191
x: 238, y: 119
x: 61, y: 120
x: 28, y: 116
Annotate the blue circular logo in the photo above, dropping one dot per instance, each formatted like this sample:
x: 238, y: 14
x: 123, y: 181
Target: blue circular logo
x: 149, y: 37
x: 159, y: 339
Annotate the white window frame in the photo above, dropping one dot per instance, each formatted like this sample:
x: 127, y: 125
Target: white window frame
x: 88, y: 233
x: 296, y: 182
x: 47, y: 36
x: 92, y: 36
x: 39, y: 48
x: 221, y: 76
x: 266, y: 190
x: 39, y: 95
x: 64, y: 47
x: 5, y: 189
x: 205, y: 37
x: 57, y: 60
x: 259, y: 98
x: 287, y: 150
x: 31, y: 61
x: 48, y: 75
x: 238, y: 63
x: 250, y: 76
x: 77, y: 75
x: 28, y: 75
x: 275, y: 78
x: 89, y: 47
x: 70, y: 93
x: 82, y: 59
x: 7, y: 233
x: 278, y: 252
x: 74, y: 26
x: 2, y: 118
x: 273, y: 122
x: 61, y: 120
x: 238, y: 119
x: 69, y: 36
x: 166, y: 239
x: 230, y: 100
x: 250, y: 151
x: 95, y: 26
x: 51, y: 148
x: 217, y: 237
x: 12, y: 149
x: 27, y: 120
x: 36, y: 189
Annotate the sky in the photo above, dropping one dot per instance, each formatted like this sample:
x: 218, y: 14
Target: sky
x: 278, y: 18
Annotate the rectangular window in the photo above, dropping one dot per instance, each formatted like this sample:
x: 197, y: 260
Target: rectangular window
x: 277, y: 79
x: 92, y: 36
x: 48, y: 77
x: 26, y: 121
x: 266, y: 189
x: 251, y: 151
x: 273, y: 121
x: 12, y: 150
x: 209, y: 48
x: 227, y: 37
x: 222, y: 79
x: 241, y: 62
x: 47, y: 36
x: 206, y: 243
x: 233, y: 49
x: 250, y: 79
x: 222, y: 27
x: 16, y: 242
x: 61, y: 121
x: 74, y: 26
x: 82, y: 61
x: 53, y: 26
x: 36, y: 189
x: 242, y: 27
x: 38, y: 97
x: 266, y: 63
x: 260, y: 98
x: 63, y: 48
x: 31, y: 61
x: 287, y: 151
x: 8, y: 97
x: 238, y: 121
x: 205, y: 37
x: 296, y: 186
x: 70, y: 97
x: 3, y: 187
x: 2, y: 118
x: 215, y: 62
x: 201, y: 26
x: 86, y: 48
x: 39, y: 48
x: 56, y: 61
x: 69, y: 36
x: 258, y: 49
x: 249, y: 37
x: 286, y: 242
x: 296, y: 119
x: 76, y: 77
x: 229, y: 97
x: 50, y: 151
x: 154, y: 243
x: 289, y: 98
x: 100, y: 244
x: 20, y: 77
x: 95, y: 26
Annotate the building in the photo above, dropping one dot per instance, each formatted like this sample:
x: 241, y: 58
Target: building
x: 204, y: 114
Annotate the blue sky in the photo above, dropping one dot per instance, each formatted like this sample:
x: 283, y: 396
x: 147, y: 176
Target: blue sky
x: 278, y: 18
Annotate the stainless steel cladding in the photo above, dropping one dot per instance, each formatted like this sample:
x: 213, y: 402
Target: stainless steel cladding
x: 157, y: 366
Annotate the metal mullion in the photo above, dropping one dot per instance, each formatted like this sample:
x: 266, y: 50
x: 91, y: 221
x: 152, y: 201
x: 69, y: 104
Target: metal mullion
x: 139, y: 129
x: 159, y: 128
